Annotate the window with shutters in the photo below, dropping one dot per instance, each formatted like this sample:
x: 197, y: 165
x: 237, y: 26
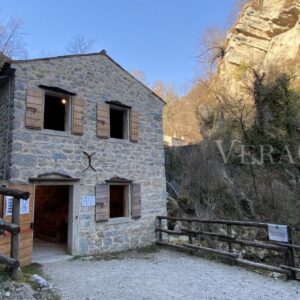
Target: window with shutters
x: 56, y: 112
x: 118, y: 201
x: 118, y: 122
x: 53, y: 108
x: 117, y: 198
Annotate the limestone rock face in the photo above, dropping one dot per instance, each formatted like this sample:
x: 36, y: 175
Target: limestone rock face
x: 266, y: 35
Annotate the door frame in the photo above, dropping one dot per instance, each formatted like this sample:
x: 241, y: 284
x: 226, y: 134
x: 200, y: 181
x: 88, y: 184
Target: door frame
x: 73, y: 210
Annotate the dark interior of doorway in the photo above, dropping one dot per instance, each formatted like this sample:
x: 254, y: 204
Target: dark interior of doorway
x: 51, y: 213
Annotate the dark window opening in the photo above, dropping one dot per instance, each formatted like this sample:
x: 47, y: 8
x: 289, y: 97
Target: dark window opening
x: 55, y: 113
x: 117, y: 201
x: 117, y: 123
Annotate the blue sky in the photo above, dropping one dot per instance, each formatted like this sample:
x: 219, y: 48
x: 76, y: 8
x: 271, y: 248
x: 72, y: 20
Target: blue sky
x: 159, y: 37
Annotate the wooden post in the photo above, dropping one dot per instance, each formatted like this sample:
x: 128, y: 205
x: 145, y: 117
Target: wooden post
x: 190, y: 234
x: 229, y: 232
x: 292, y: 262
x: 15, y: 238
x: 159, y: 227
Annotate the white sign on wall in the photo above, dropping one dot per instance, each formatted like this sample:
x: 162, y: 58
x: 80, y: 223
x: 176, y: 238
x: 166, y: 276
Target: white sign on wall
x: 24, y: 206
x: 278, y: 233
x: 87, y: 201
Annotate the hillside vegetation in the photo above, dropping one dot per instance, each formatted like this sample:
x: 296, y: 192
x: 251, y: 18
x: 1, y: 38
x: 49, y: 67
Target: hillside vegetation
x: 243, y: 123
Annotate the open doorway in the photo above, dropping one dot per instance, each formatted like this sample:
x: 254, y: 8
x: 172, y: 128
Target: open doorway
x: 51, y: 222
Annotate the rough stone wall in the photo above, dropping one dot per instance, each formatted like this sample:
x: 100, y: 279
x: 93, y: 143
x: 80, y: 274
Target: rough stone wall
x: 265, y: 37
x: 95, y: 79
x: 5, y: 121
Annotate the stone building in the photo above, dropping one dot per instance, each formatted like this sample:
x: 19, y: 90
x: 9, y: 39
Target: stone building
x: 86, y: 139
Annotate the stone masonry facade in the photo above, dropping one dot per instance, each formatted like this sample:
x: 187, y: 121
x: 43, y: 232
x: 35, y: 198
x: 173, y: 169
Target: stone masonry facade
x: 94, y: 78
x: 6, y: 92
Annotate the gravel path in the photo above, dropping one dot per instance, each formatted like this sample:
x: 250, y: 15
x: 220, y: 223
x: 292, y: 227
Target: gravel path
x: 164, y: 275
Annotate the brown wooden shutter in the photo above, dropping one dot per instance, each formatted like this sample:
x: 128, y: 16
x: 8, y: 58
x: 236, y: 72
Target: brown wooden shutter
x: 34, y: 108
x: 136, y: 200
x: 77, y: 116
x: 103, y: 121
x: 102, y: 202
x: 134, y: 128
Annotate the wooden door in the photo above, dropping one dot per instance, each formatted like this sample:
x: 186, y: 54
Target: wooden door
x: 26, y: 218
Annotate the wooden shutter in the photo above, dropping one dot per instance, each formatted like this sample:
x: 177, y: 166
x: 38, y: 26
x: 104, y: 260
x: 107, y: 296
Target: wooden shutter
x: 77, y: 116
x: 103, y: 121
x: 134, y: 128
x: 136, y: 200
x: 102, y: 202
x: 34, y: 108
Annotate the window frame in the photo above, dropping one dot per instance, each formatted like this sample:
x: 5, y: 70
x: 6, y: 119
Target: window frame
x: 127, y: 198
x: 126, y: 121
x: 68, y: 113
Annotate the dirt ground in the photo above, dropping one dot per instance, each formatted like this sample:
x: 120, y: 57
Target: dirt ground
x: 164, y: 275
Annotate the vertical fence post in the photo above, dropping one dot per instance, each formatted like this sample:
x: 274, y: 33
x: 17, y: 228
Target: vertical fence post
x: 160, y: 228
x: 229, y: 232
x: 291, y: 254
x: 190, y: 234
x: 15, y: 238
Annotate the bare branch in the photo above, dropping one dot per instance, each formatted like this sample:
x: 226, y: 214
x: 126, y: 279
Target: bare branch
x: 80, y: 45
x: 213, y: 46
x: 11, y: 38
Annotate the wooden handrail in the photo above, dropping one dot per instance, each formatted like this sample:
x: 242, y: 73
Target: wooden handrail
x: 14, y: 193
x: 224, y: 222
x: 8, y: 261
x: 289, y: 268
x: 10, y: 227
x: 288, y: 245
x: 228, y: 239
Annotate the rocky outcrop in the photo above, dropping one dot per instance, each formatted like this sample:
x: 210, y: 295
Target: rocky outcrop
x: 266, y: 35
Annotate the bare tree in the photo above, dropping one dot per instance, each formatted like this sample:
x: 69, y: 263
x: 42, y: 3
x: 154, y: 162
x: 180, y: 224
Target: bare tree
x: 80, y: 45
x: 11, y: 38
x: 213, y: 45
x: 139, y: 75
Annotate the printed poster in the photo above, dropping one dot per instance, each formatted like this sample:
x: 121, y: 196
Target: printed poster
x: 24, y: 206
x: 278, y: 233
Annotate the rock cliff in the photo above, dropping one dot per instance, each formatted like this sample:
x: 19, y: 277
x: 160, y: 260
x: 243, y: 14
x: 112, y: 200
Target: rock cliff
x: 266, y: 35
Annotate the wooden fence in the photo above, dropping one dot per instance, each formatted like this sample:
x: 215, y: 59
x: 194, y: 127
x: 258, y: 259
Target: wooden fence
x: 190, y: 228
x: 14, y: 228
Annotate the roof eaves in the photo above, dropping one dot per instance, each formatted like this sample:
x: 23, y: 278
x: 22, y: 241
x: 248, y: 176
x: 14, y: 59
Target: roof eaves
x: 102, y: 52
x: 54, y: 57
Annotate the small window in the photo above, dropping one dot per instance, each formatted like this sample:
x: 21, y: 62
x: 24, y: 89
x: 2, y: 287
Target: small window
x: 119, y: 203
x: 118, y: 123
x: 56, y: 112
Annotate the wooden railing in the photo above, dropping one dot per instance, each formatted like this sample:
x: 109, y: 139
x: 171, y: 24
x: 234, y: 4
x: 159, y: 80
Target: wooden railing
x: 14, y: 228
x: 194, y: 234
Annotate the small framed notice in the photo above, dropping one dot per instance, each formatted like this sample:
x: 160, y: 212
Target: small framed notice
x: 278, y: 233
x: 8, y: 206
x: 88, y: 201
x: 24, y: 206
